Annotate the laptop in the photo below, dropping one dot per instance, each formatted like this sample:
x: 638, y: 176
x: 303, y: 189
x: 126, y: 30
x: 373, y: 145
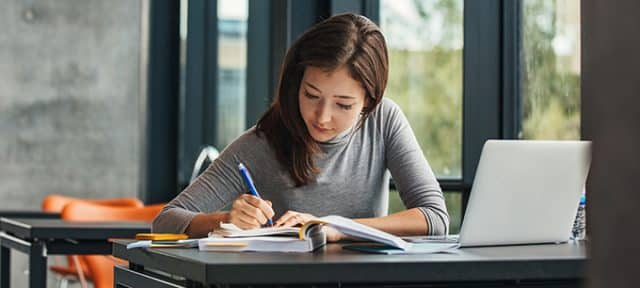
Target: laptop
x: 524, y: 192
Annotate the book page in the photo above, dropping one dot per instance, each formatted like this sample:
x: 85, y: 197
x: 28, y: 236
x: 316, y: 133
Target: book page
x: 229, y: 230
x: 355, y: 229
x: 342, y: 224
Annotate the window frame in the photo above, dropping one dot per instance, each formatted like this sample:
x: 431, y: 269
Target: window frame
x: 491, y: 79
x: 198, y: 112
x: 491, y: 83
x: 160, y: 87
x: 491, y: 99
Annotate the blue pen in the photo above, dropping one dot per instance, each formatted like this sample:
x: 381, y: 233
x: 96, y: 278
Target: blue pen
x: 252, y: 188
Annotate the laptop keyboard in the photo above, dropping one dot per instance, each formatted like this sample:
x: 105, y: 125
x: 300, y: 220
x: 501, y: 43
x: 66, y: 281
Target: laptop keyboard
x: 432, y: 239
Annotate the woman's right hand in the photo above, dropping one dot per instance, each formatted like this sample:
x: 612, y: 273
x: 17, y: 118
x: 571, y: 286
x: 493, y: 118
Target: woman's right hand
x: 249, y: 212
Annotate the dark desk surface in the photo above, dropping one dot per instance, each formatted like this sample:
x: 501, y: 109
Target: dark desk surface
x: 333, y: 264
x: 27, y: 228
x: 40, y: 237
x: 28, y: 214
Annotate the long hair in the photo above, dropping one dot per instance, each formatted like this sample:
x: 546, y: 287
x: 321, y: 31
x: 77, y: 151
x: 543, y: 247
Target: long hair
x: 346, y: 40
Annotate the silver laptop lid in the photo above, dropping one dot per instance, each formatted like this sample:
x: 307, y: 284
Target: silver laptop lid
x: 525, y: 191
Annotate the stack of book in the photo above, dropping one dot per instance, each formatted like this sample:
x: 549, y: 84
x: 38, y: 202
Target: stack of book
x: 310, y: 237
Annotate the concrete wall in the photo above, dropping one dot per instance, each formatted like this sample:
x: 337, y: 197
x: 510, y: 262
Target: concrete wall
x: 69, y: 102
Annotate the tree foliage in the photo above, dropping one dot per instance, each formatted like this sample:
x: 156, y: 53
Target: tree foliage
x: 550, y: 88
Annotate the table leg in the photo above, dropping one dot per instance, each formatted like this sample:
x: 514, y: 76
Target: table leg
x: 37, y: 265
x: 5, y: 267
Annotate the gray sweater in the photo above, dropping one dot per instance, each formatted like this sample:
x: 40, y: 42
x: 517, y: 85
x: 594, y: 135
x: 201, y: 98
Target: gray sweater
x: 353, y: 181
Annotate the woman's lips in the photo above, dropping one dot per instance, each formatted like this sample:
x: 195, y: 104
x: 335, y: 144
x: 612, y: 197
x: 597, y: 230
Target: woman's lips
x: 320, y: 129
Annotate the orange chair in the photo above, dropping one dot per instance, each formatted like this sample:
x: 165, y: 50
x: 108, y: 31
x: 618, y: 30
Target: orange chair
x: 54, y: 203
x: 101, y: 267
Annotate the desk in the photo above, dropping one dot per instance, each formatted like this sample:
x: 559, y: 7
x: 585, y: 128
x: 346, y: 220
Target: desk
x: 559, y: 265
x: 41, y: 237
x: 35, y: 214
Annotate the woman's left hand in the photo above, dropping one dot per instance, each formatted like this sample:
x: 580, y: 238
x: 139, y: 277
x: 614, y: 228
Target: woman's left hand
x: 293, y: 218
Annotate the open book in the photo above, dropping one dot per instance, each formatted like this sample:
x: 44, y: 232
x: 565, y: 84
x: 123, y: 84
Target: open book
x: 306, y: 238
x: 281, y: 239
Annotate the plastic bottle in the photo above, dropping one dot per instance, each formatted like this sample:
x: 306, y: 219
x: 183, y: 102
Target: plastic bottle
x: 578, y: 231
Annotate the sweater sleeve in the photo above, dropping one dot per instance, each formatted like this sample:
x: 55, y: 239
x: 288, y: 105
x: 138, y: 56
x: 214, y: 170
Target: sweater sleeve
x: 410, y: 170
x: 214, y: 189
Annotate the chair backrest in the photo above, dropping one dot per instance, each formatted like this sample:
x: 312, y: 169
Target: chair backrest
x: 207, y: 155
x: 85, y: 211
x: 101, y: 267
x: 55, y: 202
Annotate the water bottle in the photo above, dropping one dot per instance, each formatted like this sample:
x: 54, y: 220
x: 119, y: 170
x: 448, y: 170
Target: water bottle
x: 578, y: 231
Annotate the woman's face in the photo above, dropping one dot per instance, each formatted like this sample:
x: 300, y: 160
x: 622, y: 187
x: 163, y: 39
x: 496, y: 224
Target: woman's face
x: 330, y: 102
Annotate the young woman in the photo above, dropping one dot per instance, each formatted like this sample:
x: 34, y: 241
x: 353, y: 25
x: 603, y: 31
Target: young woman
x: 323, y: 147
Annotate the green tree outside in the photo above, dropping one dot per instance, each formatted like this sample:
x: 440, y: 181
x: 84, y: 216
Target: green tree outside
x: 551, y: 81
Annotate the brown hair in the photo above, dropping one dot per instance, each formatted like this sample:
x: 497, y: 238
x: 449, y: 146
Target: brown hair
x: 343, y: 40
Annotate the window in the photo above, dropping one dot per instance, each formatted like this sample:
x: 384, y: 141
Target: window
x: 521, y: 73
x: 425, y: 54
x: 213, y: 65
x: 182, y: 82
x: 453, y: 200
x: 551, y: 69
x: 425, y: 41
x: 232, y: 66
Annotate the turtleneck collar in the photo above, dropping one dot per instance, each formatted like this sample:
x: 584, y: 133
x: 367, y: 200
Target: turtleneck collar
x: 341, y: 138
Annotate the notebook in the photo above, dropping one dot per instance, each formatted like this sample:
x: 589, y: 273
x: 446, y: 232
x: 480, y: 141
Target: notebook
x: 182, y: 243
x: 304, y: 239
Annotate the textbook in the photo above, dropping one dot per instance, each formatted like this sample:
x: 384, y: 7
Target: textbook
x: 294, y: 239
x: 271, y: 240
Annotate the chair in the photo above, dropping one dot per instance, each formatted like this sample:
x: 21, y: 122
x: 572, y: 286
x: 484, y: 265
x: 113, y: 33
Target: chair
x: 91, y: 212
x: 207, y: 154
x: 101, y: 267
x: 55, y: 203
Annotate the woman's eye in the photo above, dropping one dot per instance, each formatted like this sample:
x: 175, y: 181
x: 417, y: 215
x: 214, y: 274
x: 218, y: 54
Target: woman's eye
x: 310, y: 96
x: 345, y: 107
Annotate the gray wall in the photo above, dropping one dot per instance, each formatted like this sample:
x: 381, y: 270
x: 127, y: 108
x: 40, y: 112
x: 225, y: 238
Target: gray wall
x: 611, y: 117
x: 69, y: 102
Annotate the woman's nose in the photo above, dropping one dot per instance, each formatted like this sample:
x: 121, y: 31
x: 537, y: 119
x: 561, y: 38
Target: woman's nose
x: 323, y: 113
